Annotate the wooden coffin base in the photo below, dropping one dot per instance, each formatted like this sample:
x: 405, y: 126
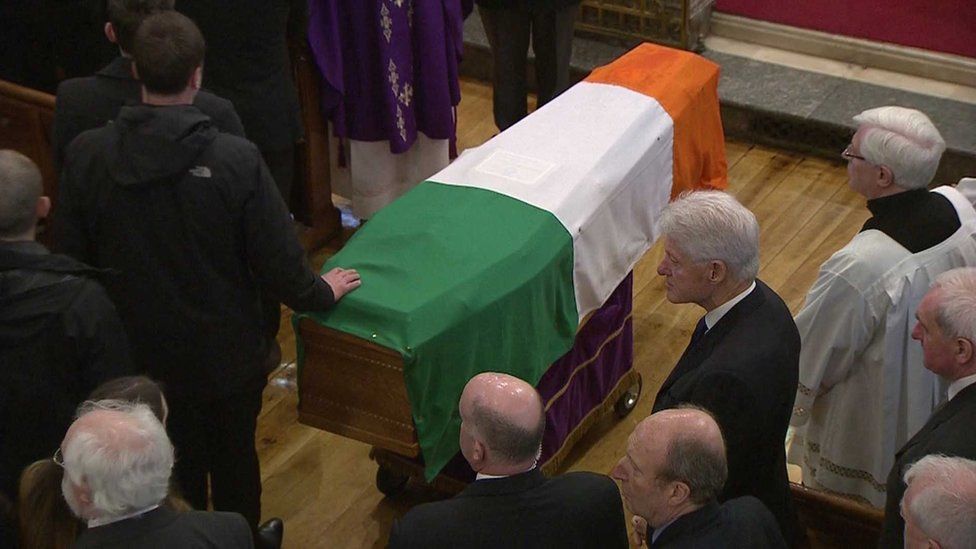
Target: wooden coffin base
x: 355, y: 388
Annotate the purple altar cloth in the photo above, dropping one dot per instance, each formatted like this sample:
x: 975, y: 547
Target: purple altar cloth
x: 577, y: 383
x: 389, y: 67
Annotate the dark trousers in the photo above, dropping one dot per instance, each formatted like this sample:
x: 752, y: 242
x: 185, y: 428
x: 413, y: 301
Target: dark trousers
x: 509, y: 31
x: 215, y: 439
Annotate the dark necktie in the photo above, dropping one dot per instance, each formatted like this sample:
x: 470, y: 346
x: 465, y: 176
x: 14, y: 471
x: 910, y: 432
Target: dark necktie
x: 699, y: 332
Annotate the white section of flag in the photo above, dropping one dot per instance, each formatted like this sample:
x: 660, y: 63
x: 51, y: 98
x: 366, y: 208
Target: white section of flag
x: 599, y: 157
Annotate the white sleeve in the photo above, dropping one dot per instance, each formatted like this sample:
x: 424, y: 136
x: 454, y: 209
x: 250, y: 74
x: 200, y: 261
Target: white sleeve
x: 835, y: 327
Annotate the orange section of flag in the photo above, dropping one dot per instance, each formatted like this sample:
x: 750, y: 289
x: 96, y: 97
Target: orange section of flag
x: 686, y: 85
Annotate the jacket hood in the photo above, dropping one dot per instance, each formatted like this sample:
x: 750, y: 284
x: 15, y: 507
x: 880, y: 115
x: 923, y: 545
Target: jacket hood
x: 157, y: 143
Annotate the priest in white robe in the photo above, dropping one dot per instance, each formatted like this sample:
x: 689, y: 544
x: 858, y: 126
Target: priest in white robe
x: 863, y: 391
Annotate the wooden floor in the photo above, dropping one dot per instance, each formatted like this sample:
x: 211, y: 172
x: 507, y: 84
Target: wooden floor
x: 322, y: 485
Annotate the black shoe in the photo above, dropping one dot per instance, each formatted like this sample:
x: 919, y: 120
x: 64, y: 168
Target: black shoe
x: 270, y: 534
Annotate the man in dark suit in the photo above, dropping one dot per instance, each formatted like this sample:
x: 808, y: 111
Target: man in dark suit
x: 670, y: 477
x: 60, y: 335
x: 117, y: 462
x: 248, y: 63
x: 512, y: 504
x: 947, y: 330
x: 92, y: 101
x: 742, y: 362
x: 510, y: 26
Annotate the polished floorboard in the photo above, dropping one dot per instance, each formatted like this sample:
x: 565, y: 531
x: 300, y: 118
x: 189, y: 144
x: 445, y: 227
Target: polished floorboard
x: 322, y: 485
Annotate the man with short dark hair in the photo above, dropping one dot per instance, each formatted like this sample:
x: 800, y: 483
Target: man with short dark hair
x: 193, y: 222
x: 60, y: 336
x: 511, y: 503
x: 92, y: 101
x: 671, y: 478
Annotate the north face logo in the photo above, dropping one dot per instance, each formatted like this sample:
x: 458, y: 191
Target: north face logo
x: 200, y: 171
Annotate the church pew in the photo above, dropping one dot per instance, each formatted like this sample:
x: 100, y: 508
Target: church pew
x: 836, y: 521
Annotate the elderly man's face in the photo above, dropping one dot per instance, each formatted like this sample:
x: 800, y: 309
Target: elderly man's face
x: 687, y: 281
x: 862, y: 176
x: 937, y: 347
x: 644, y: 493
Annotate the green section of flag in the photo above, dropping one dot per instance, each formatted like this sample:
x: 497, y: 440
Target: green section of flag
x: 459, y: 281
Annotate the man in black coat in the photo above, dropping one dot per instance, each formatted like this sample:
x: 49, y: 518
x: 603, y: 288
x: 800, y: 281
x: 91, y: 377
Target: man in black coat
x: 671, y: 476
x: 191, y: 219
x: 248, y: 63
x: 510, y: 25
x: 946, y: 329
x: 742, y: 362
x: 60, y: 336
x: 117, y: 463
x: 93, y: 101
x: 512, y: 504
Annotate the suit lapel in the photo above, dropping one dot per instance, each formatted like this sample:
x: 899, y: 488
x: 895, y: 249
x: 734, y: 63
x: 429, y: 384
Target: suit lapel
x: 938, y: 417
x: 696, y: 354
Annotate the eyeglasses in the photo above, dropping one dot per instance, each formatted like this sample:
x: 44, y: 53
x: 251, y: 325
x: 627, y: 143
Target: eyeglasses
x: 58, y: 458
x: 848, y: 155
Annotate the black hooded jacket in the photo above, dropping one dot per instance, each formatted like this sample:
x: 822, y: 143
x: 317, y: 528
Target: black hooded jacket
x: 60, y: 337
x: 193, y: 222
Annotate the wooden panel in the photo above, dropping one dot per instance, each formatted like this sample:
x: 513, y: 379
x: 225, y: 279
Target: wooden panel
x: 834, y: 520
x: 355, y: 388
x: 25, y: 126
x: 313, y: 185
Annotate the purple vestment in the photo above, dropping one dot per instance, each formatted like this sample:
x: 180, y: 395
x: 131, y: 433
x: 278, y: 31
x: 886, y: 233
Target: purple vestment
x: 389, y: 67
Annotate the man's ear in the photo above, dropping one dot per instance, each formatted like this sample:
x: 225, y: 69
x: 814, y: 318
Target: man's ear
x: 135, y: 71
x: 43, y: 207
x: 885, y: 177
x: 110, y: 33
x: 679, y: 493
x: 196, y: 79
x: 964, y: 350
x: 717, y: 271
x: 478, y: 454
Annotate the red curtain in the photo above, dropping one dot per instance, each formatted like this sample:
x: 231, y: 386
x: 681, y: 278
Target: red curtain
x: 947, y: 26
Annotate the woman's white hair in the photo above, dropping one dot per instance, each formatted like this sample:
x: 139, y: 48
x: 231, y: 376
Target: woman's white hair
x: 125, y: 462
x: 956, y: 310
x: 712, y: 225
x: 903, y: 139
x: 945, y: 504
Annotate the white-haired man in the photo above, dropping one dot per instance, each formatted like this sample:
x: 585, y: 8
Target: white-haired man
x: 670, y: 478
x: 946, y: 329
x: 117, y: 463
x: 940, y: 503
x: 741, y: 363
x: 511, y: 503
x: 862, y: 392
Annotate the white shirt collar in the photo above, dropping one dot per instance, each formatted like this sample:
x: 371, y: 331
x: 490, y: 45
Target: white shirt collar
x: 958, y: 385
x: 94, y: 523
x: 712, y: 317
x: 482, y: 476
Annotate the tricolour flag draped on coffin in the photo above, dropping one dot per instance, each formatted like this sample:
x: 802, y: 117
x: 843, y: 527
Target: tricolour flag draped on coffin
x: 492, y: 263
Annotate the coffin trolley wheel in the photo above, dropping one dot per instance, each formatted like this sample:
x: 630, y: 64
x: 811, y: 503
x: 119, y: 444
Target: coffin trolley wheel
x: 390, y: 483
x: 628, y: 401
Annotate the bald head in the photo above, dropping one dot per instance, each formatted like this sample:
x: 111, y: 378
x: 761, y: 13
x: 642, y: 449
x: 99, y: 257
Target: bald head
x: 20, y: 196
x: 502, y: 423
x: 675, y: 463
